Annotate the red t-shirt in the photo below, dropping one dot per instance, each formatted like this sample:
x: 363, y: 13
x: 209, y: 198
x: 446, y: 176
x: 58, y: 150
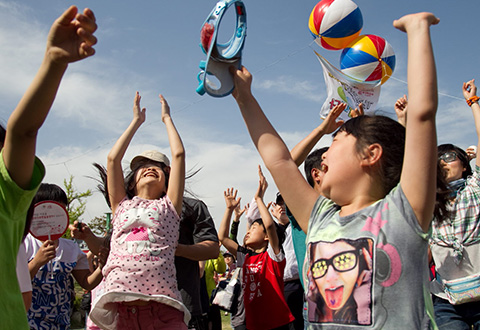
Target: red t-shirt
x: 262, y: 282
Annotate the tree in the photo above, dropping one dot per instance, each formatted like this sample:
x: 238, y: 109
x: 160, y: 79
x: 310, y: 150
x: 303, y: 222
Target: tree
x: 76, y: 202
x: 98, y: 225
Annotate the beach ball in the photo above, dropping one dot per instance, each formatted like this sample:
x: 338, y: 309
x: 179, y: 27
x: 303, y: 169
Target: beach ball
x: 369, y: 58
x: 335, y: 23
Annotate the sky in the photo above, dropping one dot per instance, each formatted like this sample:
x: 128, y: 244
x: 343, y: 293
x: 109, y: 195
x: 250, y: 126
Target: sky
x: 153, y: 47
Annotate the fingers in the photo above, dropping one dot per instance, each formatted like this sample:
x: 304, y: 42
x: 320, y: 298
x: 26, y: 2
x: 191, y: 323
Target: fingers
x: 86, y: 26
x: 68, y: 15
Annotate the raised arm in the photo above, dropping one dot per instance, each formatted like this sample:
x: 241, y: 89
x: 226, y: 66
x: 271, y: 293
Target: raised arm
x: 231, y: 202
x: 297, y: 193
x: 115, y: 180
x: 418, y: 179
x: 70, y: 39
x: 176, y: 184
x: 265, y: 214
x: 300, y: 152
x: 470, y: 93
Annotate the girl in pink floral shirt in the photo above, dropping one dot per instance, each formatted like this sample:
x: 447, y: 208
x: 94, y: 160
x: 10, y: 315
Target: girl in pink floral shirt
x: 140, y: 280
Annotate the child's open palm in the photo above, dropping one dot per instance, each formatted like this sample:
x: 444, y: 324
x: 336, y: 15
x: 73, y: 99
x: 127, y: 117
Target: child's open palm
x: 139, y: 114
x: 165, y: 108
x: 231, y: 200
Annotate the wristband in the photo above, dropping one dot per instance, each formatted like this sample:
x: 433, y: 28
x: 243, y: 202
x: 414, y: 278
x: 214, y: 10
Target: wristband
x: 472, y: 100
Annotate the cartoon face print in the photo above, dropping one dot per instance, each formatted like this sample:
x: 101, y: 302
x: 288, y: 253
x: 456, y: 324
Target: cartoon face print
x: 340, y: 281
x: 138, y: 225
x: 335, y: 272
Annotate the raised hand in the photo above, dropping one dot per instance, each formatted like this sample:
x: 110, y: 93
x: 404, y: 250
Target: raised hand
x: 414, y: 21
x: 71, y: 36
x: 231, y: 200
x: 165, y: 108
x: 239, y: 211
x: 469, y: 89
x: 401, y: 109
x: 330, y: 124
x: 262, y: 184
x: 357, y: 112
x: 139, y: 113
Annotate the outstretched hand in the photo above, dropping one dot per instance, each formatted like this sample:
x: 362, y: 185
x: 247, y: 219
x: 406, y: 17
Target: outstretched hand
x: 139, y: 113
x: 71, y: 36
x: 231, y: 200
x: 469, y: 89
x: 330, y: 124
x: 165, y: 108
x: 262, y: 184
x: 239, y: 211
x: 414, y: 21
x: 401, y: 109
x: 357, y: 112
x: 243, y: 82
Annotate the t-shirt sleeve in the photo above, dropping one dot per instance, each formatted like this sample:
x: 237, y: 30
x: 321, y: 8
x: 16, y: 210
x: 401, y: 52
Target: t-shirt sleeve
x: 82, y: 261
x: 275, y: 257
x: 23, y: 274
x: 400, y: 200
x: 14, y: 201
x: 204, y: 227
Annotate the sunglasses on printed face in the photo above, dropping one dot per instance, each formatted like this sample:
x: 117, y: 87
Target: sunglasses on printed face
x: 341, y: 262
x: 448, y: 157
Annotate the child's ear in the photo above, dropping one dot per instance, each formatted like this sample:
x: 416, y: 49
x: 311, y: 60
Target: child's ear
x: 372, y: 154
x: 316, y: 174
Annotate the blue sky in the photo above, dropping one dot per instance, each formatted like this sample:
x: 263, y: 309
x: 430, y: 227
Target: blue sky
x: 152, y: 47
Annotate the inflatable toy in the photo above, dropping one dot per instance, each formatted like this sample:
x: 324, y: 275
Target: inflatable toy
x: 368, y: 59
x: 335, y: 23
x: 221, y: 56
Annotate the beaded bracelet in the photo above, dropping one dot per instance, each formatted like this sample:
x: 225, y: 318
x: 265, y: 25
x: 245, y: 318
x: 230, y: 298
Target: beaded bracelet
x: 472, y: 100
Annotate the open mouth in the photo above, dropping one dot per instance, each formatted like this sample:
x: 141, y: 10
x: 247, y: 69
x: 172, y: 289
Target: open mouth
x: 324, y: 168
x: 150, y: 173
x: 334, y: 296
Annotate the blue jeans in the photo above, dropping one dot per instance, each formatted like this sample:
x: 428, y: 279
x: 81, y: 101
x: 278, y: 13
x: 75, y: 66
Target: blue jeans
x: 456, y: 317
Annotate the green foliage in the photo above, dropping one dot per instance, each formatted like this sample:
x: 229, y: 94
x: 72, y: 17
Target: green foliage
x: 98, y: 225
x: 76, y: 202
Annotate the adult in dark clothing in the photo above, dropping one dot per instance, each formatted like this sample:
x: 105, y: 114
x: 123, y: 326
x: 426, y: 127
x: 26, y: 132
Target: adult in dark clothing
x: 198, y: 241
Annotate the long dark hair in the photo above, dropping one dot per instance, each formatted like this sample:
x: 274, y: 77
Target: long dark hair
x: 129, y: 181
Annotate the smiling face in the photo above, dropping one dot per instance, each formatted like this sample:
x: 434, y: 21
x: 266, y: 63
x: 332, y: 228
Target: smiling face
x: 335, y: 272
x: 150, y: 176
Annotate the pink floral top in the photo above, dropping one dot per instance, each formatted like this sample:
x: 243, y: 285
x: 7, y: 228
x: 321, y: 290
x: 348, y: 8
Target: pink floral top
x: 141, y: 262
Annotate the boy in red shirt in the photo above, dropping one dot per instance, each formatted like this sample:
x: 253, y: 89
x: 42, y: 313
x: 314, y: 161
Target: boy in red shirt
x: 263, y: 263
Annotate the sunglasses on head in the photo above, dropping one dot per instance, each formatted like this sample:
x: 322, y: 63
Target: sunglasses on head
x: 341, y: 262
x: 448, y: 157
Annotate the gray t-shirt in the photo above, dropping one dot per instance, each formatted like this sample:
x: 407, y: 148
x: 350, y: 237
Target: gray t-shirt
x: 367, y: 269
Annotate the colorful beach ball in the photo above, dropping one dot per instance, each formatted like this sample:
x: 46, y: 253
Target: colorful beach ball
x: 369, y: 58
x: 335, y: 23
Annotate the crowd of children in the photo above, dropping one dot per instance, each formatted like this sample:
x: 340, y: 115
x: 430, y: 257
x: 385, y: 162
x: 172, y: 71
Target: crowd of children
x: 350, y: 246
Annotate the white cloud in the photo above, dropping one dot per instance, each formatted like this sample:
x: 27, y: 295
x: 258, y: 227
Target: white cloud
x: 292, y: 86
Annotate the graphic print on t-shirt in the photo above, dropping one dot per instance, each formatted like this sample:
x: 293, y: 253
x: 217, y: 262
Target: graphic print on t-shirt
x: 137, y: 226
x: 340, y: 281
